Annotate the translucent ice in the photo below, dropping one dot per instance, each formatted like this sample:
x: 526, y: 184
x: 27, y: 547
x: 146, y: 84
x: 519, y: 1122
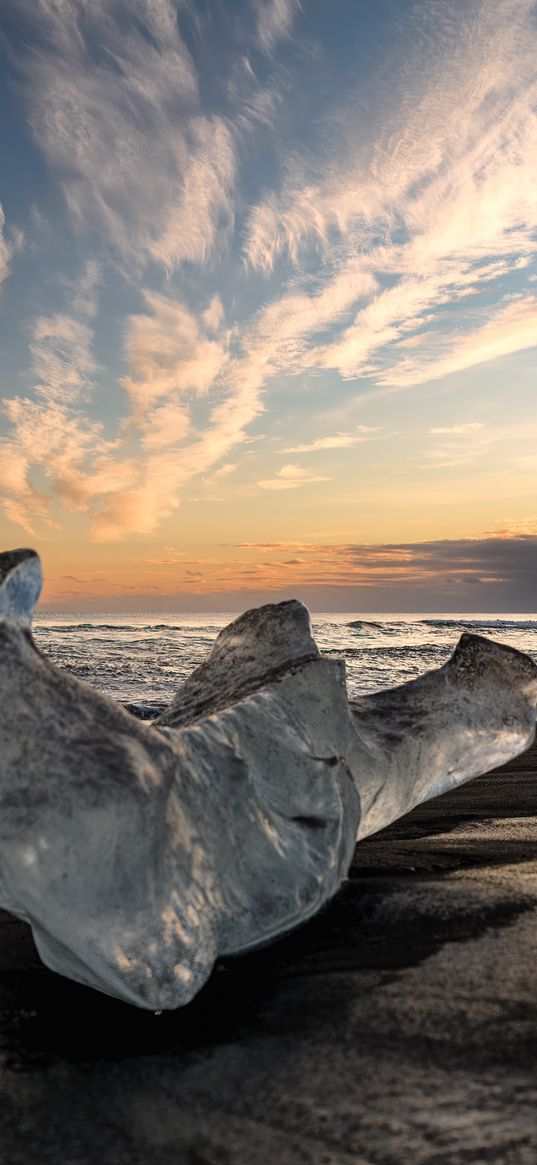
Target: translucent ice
x: 140, y: 852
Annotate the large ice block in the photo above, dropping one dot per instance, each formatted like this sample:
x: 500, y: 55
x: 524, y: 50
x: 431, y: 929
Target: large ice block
x: 141, y: 852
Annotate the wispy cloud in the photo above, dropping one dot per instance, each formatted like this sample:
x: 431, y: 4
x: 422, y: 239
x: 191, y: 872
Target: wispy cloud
x: 396, y: 246
x: 122, y: 128
x: 53, y: 432
x: 275, y: 19
x: 173, y: 354
x: 115, y: 107
x: 463, y: 444
x: 512, y: 327
x: 174, y: 358
x: 460, y: 430
x: 336, y: 441
x: 452, y: 101
x: 438, y: 195
x: 290, y: 477
x: 5, y: 249
x: 169, y: 353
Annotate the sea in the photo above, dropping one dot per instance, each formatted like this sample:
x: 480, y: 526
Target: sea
x: 141, y: 660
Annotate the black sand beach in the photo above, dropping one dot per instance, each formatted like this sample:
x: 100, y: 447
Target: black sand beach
x: 400, y: 1026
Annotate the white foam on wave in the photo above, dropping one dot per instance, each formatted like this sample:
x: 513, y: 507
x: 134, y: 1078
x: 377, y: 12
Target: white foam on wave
x: 141, y: 660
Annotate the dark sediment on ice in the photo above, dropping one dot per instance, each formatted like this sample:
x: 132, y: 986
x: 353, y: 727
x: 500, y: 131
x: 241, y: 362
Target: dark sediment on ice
x: 399, y: 1026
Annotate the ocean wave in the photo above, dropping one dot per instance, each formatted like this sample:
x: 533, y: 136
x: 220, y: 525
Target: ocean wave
x: 364, y: 625
x: 145, y: 711
x: 481, y: 624
x: 402, y: 651
x: 367, y: 625
x: 130, y: 628
x: 142, y: 664
x: 370, y: 626
x: 55, y: 630
x: 68, y: 628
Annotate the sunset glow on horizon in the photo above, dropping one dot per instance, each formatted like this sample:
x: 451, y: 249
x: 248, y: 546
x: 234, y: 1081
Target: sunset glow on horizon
x: 268, y: 311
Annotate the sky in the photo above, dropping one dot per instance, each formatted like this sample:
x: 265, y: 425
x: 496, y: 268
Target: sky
x: 268, y: 302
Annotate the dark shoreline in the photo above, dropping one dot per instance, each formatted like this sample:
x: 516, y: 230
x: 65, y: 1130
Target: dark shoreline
x: 399, y: 1026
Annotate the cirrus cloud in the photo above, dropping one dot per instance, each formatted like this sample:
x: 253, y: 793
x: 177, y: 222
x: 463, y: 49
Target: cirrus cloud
x: 114, y: 106
x: 396, y: 247
x: 290, y: 477
x: 5, y: 249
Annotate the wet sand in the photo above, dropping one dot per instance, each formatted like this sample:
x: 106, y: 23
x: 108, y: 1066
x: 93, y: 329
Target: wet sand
x: 397, y: 1028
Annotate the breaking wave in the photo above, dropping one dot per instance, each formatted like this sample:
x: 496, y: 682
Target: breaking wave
x: 370, y: 626
x: 142, y: 662
x: 482, y: 624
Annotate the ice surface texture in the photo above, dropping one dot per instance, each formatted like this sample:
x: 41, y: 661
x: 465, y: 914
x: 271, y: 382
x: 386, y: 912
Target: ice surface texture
x: 140, y: 852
